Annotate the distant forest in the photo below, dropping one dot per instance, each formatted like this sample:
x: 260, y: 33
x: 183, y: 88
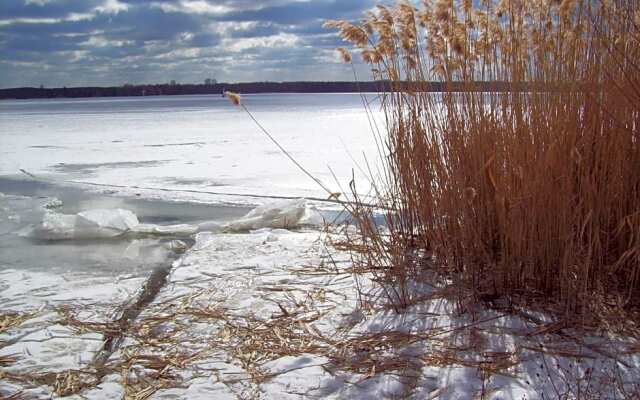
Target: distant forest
x: 252, y: 87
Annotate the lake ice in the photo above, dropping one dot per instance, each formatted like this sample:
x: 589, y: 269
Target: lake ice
x: 179, y: 145
x: 154, y: 156
x: 200, y: 143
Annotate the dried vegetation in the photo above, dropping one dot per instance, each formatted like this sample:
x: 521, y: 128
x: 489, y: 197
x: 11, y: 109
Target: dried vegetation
x: 529, y: 194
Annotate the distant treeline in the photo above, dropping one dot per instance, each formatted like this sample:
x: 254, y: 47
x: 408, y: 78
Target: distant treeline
x: 260, y: 87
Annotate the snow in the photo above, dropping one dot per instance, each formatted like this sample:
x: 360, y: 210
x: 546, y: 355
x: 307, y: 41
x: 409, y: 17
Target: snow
x: 192, y: 143
x: 30, y: 291
x: 250, y: 277
x: 260, y: 307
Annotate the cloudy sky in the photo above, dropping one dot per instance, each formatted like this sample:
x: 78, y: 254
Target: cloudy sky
x: 112, y: 42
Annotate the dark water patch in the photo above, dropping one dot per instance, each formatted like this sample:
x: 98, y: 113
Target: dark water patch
x: 189, y: 182
x: 132, y: 255
x: 75, y: 199
x: 87, y: 168
x: 199, y: 144
x: 46, y: 147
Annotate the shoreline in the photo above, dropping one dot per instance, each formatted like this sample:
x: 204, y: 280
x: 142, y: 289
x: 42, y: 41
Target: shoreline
x: 304, y: 87
x: 285, y: 320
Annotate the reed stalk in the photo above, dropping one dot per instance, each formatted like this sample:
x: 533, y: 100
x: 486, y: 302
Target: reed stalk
x: 529, y: 192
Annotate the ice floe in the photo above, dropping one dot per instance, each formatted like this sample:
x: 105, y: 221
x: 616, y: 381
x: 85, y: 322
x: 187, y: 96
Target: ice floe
x: 178, y: 230
x: 90, y: 224
x: 283, y: 214
x: 111, y: 223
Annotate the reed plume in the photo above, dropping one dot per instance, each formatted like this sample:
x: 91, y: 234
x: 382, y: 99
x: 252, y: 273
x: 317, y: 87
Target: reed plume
x: 234, y: 98
x: 344, y: 54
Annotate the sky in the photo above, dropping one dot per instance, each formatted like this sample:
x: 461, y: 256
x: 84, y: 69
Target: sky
x: 70, y: 43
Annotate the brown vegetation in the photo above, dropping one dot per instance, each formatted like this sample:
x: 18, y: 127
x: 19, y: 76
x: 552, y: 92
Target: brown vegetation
x: 529, y: 196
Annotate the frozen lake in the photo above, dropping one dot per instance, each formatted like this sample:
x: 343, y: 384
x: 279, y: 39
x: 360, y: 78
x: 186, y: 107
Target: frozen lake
x: 174, y: 147
x: 200, y: 143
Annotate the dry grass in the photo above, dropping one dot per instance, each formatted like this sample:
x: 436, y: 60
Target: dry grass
x: 234, y: 98
x: 63, y: 383
x: 9, y: 320
x: 530, y: 192
x: 163, y: 351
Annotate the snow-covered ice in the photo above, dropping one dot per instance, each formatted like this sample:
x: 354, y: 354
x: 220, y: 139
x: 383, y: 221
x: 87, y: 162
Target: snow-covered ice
x: 274, y: 313
x: 192, y: 143
x: 260, y: 306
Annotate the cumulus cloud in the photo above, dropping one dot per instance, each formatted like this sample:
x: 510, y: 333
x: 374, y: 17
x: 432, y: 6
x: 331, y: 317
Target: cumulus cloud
x: 110, y: 42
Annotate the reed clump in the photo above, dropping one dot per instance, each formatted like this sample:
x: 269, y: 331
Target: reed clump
x: 526, y: 186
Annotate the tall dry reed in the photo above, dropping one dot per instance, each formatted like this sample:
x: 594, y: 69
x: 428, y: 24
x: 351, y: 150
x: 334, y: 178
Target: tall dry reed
x: 529, y: 189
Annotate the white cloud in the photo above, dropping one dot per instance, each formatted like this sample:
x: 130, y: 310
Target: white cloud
x: 135, y: 41
x: 195, y: 7
x: 280, y: 40
x: 179, y: 54
x: 112, y: 7
x: 37, y: 2
x: 5, y: 22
